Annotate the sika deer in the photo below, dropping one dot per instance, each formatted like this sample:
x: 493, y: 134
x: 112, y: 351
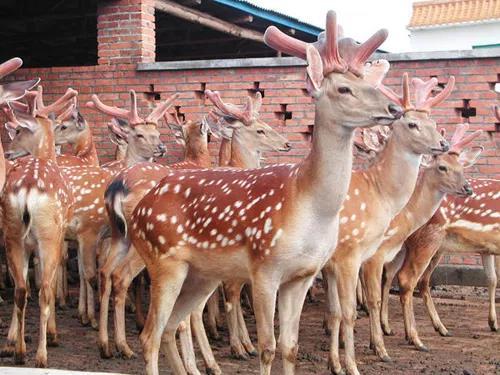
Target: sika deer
x: 460, y: 225
x: 375, y: 196
x: 274, y: 226
x: 444, y: 175
x: 37, y: 207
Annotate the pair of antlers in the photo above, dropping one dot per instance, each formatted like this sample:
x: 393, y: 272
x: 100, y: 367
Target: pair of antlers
x: 337, y: 54
x: 247, y: 113
x: 132, y: 115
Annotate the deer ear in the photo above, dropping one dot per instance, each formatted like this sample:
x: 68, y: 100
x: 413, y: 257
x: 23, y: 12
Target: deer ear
x: 314, y: 71
x: 226, y: 132
x: 78, y: 118
x: 426, y: 160
x: 26, y: 120
x: 119, y: 128
x: 16, y: 90
x: 469, y: 157
x: 11, y: 129
x: 371, y: 140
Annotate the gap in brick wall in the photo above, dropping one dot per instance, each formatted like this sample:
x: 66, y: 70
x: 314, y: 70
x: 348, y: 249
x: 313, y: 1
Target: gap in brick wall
x: 283, y: 114
x: 200, y: 94
x: 181, y: 115
x: 255, y: 89
x: 492, y: 85
x: 466, y: 111
x: 152, y: 95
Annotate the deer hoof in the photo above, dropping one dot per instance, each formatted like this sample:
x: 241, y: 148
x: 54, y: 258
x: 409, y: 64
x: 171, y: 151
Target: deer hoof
x: 19, y: 358
x: 422, y: 348
x: 385, y: 358
x: 52, y: 340
x: 104, y: 351
x: 41, y: 362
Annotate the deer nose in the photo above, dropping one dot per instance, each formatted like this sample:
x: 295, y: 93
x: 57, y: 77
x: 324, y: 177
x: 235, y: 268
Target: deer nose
x: 395, y: 110
x: 162, y: 147
x: 468, y: 189
x: 445, y: 146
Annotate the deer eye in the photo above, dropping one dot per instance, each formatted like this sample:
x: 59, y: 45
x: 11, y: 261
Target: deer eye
x: 442, y: 168
x: 261, y: 131
x: 412, y: 125
x: 18, y: 131
x: 344, y: 90
x: 63, y: 127
x: 139, y: 136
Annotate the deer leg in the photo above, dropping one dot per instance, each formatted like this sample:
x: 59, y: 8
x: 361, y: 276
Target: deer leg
x: 167, y: 278
x: 372, y: 275
x: 491, y: 278
x: 243, y: 332
x: 201, y: 338
x: 187, y: 346
x: 117, y: 252
x: 87, y: 241
x: 49, y: 256
x: 232, y: 291
x: 347, y: 278
x: 390, y: 271
x: 18, y: 261
x: 121, y: 278
x: 138, y: 295
x: 213, y: 311
x: 291, y: 299
x: 425, y: 292
x: 264, y: 304
x: 61, y: 288
x: 334, y: 317
x: 82, y: 295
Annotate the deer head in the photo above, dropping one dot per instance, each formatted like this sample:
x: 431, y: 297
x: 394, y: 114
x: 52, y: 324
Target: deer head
x: 335, y: 76
x: 416, y: 131
x: 242, y: 125
x: 142, y: 135
x: 70, y: 126
x: 447, y: 170
x: 31, y: 129
x: 193, y: 136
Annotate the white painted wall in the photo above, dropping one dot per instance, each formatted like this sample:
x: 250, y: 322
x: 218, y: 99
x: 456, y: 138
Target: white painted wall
x: 456, y: 37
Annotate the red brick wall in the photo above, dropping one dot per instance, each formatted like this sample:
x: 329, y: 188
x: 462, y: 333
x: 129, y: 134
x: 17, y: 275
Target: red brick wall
x: 282, y: 86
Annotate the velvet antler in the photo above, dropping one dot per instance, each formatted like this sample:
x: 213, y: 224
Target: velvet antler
x: 423, y: 89
x: 10, y: 66
x: 59, y: 105
x: 460, y: 140
x: 245, y: 113
x: 404, y: 99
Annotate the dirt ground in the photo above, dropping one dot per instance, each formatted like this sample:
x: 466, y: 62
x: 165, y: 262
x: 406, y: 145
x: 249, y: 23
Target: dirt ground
x: 473, y: 349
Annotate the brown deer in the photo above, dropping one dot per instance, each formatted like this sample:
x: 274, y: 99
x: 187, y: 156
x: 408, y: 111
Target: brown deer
x: 37, y: 207
x: 259, y: 223
x: 249, y: 136
x: 443, y: 175
x: 120, y: 149
x: 459, y: 225
x: 375, y: 196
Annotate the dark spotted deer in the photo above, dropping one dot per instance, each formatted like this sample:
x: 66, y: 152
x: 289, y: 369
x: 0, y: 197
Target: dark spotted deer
x: 444, y: 174
x: 460, y: 225
x: 375, y: 196
x: 275, y: 226
x: 37, y: 207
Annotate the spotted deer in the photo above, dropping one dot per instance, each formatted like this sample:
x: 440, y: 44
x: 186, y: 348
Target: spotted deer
x: 258, y: 223
x: 375, y: 196
x: 444, y: 174
x: 120, y: 150
x: 248, y: 136
x: 37, y: 207
x: 460, y: 225
x: 89, y: 184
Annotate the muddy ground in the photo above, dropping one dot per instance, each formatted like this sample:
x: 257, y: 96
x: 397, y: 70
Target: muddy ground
x: 473, y: 349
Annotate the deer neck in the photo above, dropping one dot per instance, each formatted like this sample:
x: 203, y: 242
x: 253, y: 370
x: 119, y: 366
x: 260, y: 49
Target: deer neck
x: 394, y: 175
x: 46, y: 148
x: 200, y: 157
x: 225, y: 152
x: 3, y: 169
x: 424, y: 201
x: 120, y: 152
x: 84, y: 147
x: 241, y: 155
x: 132, y: 157
x: 324, y: 175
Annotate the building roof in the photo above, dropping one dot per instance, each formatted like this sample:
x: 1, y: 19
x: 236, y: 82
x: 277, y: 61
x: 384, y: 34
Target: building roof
x: 271, y: 15
x: 439, y: 13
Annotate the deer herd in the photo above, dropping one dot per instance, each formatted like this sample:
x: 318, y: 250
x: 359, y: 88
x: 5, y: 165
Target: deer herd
x: 266, y: 230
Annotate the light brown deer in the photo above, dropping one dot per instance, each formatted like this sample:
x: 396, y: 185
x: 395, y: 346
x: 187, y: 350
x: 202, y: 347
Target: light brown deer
x: 460, y: 225
x: 274, y: 226
x: 443, y: 175
x: 120, y: 149
x: 375, y: 196
x: 37, y: 207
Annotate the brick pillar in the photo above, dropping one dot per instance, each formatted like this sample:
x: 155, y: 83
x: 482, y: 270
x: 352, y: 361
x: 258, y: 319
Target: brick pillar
x: 125, y: 31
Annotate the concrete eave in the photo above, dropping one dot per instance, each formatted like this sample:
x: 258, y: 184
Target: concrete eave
x: 266, y: 62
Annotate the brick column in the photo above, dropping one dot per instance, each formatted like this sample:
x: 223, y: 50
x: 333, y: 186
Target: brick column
x: 125, y: 31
